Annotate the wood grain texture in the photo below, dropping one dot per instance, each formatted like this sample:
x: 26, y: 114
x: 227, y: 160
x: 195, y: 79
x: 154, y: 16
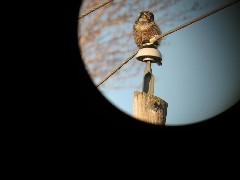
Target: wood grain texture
x: 149, y: 108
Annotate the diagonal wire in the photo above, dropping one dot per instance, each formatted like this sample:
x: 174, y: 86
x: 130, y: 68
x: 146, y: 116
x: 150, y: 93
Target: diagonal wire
x: 116, y: 69
x: 93, y: 9
x: 167, y: 33
x: 192, y: 21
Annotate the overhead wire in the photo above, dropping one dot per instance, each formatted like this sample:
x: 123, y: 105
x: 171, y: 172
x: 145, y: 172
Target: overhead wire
x: 94, y: 9
x: 192, y: 21
x: 167, y: 33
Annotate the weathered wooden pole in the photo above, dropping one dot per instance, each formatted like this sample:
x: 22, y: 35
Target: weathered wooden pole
x: 149, y: 108
x: 146, y: 106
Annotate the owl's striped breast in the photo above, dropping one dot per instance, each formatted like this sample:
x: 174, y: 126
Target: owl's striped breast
x: 143, y: 27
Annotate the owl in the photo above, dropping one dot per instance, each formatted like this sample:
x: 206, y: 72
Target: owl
x: 145, y: 28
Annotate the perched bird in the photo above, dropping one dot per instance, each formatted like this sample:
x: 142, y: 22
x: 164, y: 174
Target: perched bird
x: 145, y: 28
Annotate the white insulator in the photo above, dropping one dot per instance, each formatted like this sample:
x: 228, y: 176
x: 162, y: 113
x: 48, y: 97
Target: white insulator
x: 149, y: 54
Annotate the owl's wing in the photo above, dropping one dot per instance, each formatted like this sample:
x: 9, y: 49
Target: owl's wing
x: 137, y: 36
x: 154, y: 30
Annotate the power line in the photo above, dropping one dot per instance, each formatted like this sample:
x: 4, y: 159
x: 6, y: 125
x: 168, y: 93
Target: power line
x: 116, y: 69
x: 94, y: 8
x: 167, y: 33
x: 192, y: 21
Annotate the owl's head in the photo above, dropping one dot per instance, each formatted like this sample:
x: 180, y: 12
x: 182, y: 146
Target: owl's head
x: 145, y: 16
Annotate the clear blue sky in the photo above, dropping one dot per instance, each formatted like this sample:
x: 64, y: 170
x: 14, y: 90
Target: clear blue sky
x: 200, y: 75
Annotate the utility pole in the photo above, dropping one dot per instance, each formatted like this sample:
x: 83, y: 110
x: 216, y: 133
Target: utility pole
x: 146, y: 106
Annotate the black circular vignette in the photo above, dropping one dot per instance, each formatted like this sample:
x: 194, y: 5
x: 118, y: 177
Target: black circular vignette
x: 88, y: 107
